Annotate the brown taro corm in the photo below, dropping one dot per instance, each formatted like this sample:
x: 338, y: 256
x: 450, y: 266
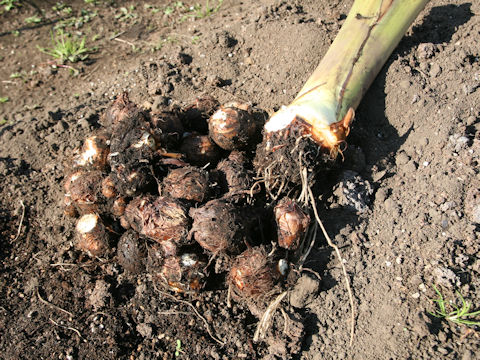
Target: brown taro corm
x: 108, y: 187
x: 84, y: 189
x: 232, y: 127
x: 92, y: 236
x: 217, y: 227
x: 195, y: 116
x: 253, y: 274
x: 131, y: 252
x: 121, y: 109
x: 234, y: 175
x: 167, y: 128
x: 159, y: 218
x: 94, y: 152
x: 132, y: 148
x: 119, y: 206
x: 189, y: 183
x: 292, y: 223
x: 182, y: 273
x: 199, y: 150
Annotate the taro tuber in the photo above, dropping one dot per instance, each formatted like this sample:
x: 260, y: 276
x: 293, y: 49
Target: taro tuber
x: 131, y: 252
x: 158, y: 218
x: 217, y: 227
x: 292, y: 223
x: 83, y: 190
x: 119, y: 206
x: 232, y: 126
x: 182, y: 273
x: 91, y: 235
x: 121, y: 109
x: 234, y: 173
x: 187, y: 183
x: 200, y: 150
x: 253, y: 273
x: 167, y: 129
x: 94, y: 152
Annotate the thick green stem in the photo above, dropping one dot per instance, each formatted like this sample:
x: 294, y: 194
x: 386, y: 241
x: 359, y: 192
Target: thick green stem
x: 372, y: 30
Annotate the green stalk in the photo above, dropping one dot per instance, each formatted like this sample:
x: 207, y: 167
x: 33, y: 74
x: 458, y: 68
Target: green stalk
x: 372, y: 30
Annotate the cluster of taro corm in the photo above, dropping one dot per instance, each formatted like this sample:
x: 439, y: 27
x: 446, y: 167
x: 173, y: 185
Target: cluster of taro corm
x: 173, y: 192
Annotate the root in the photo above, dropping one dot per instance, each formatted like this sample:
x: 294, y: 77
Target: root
x: 310, y: 240
x: 21, y: 221
x: 205, y: 322
x: 340, y: 259
x: 53, y: 306
x: 266, y: 320
x: 67, y: 327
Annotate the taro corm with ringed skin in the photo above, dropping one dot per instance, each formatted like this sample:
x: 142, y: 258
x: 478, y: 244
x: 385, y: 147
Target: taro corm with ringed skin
x: 181, y: 181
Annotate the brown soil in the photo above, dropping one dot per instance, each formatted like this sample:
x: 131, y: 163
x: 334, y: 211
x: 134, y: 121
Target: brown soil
x: 415, y: 140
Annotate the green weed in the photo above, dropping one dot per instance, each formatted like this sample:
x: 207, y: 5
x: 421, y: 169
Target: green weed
x: 10, y: 4
x: 170, y: 9
x: 126, y: 13
x: 152, y: 8
x: 84, y: 17
x: 178, y: 349
x: 459, y: 314
x: 195, y: 39
x: 60, y: 7
x: 33, y: 20
x: 66, y: 48
x: 4, y: 99
x: 15, y: 75
x: 200, y: 11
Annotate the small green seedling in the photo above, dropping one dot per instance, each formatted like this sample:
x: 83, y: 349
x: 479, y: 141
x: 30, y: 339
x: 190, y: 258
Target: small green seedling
x: 178, y: 349
x: 4, y: 99
x: 195, y: 39
x: 200, y: 11
x: 459, y: 314
x: 126, y: 13
x: 33, y: 20
x: 10, y: 4
x: 66, y: 48
x: 175, y: 5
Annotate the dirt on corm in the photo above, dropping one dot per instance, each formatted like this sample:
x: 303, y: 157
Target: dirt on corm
x: 403, y: 206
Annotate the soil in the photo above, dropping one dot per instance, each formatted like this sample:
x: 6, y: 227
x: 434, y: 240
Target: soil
x: 403, y: 206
